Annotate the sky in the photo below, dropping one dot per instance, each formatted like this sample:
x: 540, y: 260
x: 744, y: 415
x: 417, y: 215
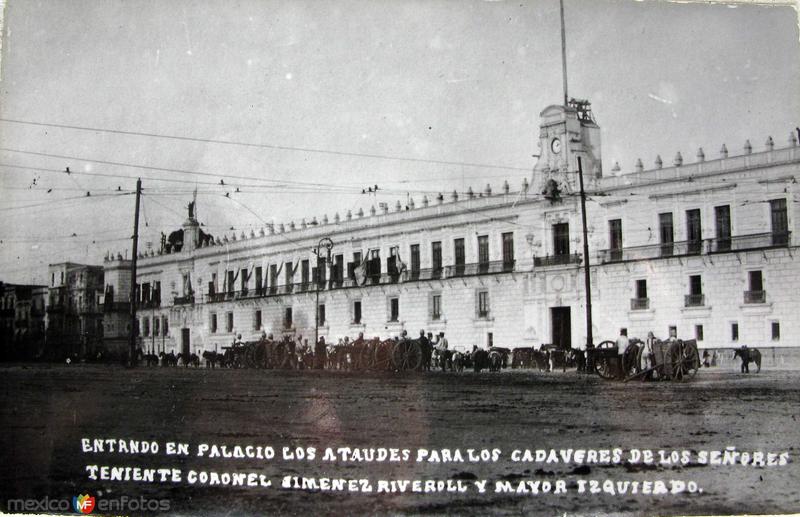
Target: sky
x: 303, y: 104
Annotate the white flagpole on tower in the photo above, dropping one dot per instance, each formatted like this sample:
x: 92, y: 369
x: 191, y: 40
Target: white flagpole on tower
x: 564, y: 55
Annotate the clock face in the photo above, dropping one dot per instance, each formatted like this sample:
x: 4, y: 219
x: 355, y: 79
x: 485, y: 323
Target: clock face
x: 555, y: 145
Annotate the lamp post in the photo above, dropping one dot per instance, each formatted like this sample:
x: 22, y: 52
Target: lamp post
x: 328, y: 245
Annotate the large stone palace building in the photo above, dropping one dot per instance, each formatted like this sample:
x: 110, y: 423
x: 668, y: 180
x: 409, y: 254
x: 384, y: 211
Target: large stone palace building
x: 706, y: 247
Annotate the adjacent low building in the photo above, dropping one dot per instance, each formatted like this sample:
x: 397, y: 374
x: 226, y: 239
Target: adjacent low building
x: 74, y: 316
x: 22, y: 320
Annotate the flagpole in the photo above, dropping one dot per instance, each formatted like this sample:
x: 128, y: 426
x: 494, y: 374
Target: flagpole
x: 564, y: 55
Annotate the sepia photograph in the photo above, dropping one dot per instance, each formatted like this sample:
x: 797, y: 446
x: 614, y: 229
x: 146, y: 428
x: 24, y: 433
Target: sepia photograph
x: 346, y: 257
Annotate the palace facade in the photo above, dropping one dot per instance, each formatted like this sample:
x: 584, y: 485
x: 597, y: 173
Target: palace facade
x: 706, y: 247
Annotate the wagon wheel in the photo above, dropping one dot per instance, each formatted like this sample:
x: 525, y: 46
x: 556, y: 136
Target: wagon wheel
x: 604, y: 365
x: 407, y: 355
x: 382, y: 359
x: 685, y: 360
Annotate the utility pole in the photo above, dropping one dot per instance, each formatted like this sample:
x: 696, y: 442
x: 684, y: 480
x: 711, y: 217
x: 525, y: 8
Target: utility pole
x: 132, y: 335
x: 586, y: 270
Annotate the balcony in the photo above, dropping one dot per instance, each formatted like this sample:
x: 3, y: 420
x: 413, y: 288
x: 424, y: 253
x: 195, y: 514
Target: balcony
x: 557, y: 260
x: 683, y: 248
x: 755, y: 297
x: 750, y: 242
x: 117, y: 307
x: 694, y: 300
x: 184, y: 300
x: 640, y: 304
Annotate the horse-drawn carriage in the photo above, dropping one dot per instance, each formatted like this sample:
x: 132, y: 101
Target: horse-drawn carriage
x: 379, y: 355
x: 668, y: 360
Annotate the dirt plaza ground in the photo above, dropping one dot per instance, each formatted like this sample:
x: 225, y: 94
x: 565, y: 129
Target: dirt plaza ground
x: 47, y: 409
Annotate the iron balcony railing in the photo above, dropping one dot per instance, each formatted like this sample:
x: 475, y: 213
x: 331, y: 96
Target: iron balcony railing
x: 184, y: 300
x: 755, y: 297
x: 694, y: 300
x: 557, y: 260
x: 750, y: 242
x: 696, y: 247
x: 384, y: 278
x: 640, y: 304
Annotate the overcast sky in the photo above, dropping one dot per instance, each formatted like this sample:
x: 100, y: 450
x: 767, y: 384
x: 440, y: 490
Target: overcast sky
x: 329, y: 87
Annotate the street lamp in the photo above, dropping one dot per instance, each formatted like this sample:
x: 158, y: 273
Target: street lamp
x: 328, y: 245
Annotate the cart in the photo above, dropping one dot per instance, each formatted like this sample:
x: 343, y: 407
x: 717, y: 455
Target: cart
x: 670, y: 360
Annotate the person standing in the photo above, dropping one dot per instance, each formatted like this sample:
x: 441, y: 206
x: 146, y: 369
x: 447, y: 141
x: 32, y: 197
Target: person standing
x: 622, y: 346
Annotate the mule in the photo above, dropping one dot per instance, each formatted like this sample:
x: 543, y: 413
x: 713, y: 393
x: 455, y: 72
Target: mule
x: 748, y: 355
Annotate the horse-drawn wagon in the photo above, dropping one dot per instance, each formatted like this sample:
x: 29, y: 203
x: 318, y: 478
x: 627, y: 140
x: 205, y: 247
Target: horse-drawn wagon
x: 666, y: 360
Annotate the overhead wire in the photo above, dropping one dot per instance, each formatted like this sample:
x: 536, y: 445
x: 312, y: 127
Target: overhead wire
x: 263, y: 146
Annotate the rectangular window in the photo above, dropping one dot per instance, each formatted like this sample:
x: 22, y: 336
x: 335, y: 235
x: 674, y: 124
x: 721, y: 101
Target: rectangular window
x: 257, y: 321
x: 436, y: 307
x: 694, y: 231
x: 357, y: 260
x: 357, y: 311
x: 165, y: 326
x: 734, y: 332
x: 640, y: 302
x: 666, y: 233
x: 415, y: 265
x: 561, y: 239
x: 259, y: 280
x: 776, y: 331
x: 212, y: 285
x: 321, y: 314
x: 641, y: 289
x: 615, y: 239
x: 146, y: 324
x: 489, y: 339
x: 483, y: 252
x: 287, y: 318
x: 483, y: 304
x: 393, y: 264
x: 288, y: 274
x: 273, y: 278
x: 779, y: 221
x: 231, y: 279
x: 695, y: 284
x: 304, y: 274
x: 243, y: 274
x: 229, y: 326
x: 755, y: 292
x: 436, y: 258
x: 508, y: 251
x: 722, y: 217
x: 213, y: 323
x: 695, y: 297
x: 459, y: 256
x: 156, y: 329
x: 698, y: 332
x: 338, y: 270
x: 394, y: 309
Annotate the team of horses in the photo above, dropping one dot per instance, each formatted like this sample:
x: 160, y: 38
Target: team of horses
x: 376, y: 354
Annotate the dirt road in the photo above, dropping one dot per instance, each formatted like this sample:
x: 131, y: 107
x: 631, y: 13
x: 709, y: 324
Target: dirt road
x: 47, y: 410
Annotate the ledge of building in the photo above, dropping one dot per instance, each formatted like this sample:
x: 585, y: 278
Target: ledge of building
x: 703, y: 311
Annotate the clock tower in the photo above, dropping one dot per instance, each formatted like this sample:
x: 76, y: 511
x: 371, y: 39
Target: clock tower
x: 566, y: 133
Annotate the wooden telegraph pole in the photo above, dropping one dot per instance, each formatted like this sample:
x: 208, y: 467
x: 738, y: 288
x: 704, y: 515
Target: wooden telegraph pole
x: 132, y: 335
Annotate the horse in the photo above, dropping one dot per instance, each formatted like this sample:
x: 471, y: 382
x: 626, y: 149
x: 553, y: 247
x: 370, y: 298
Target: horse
x: 168, y: 359
x: 211, y: 358
x: 151, y: 359
x: 748, y: 355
